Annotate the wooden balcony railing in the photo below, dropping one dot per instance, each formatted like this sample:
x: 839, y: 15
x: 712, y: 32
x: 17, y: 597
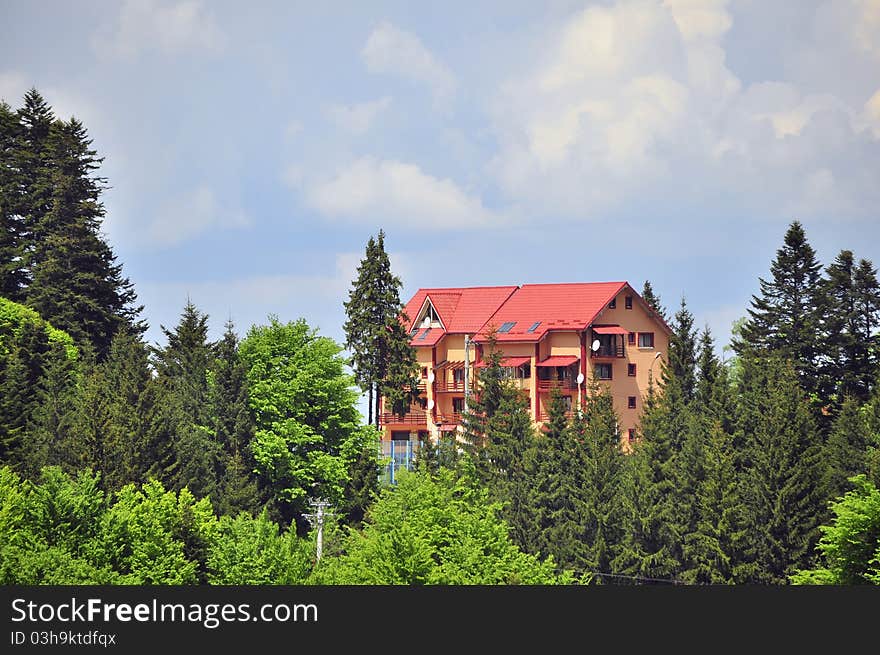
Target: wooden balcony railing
x: 413, y: 417
x: 545, y: 416
x: 453, y: 418
x: 609, y: 352
x: 562, y: 385
x: 450, y: 386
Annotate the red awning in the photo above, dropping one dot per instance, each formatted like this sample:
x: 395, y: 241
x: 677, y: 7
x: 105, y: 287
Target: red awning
x: 609, y: 329
x: 449, y: 427
x: 559, y: 360
x: 507, y: 362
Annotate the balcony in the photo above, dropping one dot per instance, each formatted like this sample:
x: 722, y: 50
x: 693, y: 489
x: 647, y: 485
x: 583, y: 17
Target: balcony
x: 545, y: 416
x: 561, y: 385
x: 413, y: 417
x: 454, y: 385
x: 609, y: 351
x: 453, y: 418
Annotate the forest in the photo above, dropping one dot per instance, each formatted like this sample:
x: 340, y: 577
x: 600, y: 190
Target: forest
x: 197, y: 462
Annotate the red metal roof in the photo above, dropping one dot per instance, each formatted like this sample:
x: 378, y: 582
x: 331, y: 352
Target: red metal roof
x: 609, y: 329
x: 507, y: 362
x: 462, y: 310
x: 559, y: 360
x: 552, y: 307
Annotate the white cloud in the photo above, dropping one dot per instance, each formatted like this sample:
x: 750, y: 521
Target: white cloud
x: 391, y: 50
x: 635, y: 100
x: 191, y: 214
x: 358, y: 118
x: 398, y: 193
x: 170, y: 28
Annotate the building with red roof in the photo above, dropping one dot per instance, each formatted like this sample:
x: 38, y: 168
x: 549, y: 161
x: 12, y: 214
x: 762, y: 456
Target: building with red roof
x: 551, y: 336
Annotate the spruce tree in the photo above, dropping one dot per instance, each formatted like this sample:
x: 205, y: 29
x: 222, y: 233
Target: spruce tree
x: 22, y: 372
x: 867, y: 307
x: 653, y: 300
x: 183, y: 366
x: 846, y: 449
x: 13, y: 277
x: 76, y: 283
x: 782, y: 471
x: 682, y: 361
x: 381, y: 357
x: 233, y: 428
x: 786, y: 318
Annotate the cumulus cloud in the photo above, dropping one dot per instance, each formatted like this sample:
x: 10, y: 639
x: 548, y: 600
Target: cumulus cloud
x: 169, y: 28
x: 636, y: 98
x: 398, y: 193
x: 358, y: 118
x: 191, y: 214
x: 391, y: 50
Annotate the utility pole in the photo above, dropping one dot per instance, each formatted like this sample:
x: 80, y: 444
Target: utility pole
x: 316, y: 519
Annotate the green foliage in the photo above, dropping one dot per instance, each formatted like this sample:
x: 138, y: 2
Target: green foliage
x: 434, y: 530
x: 850, y: 546
x: 384, y: 364
x: 251, y: 550
x: 307, y: 425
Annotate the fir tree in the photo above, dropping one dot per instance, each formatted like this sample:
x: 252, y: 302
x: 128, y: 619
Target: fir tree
x: 682, y: 361
x: 867, y: 309
x: 846, y: 449
x: 653, y: 300
x: 22, y: 373
x: 183, y: 366
x: 381, y: 357
x: 782, y: 475
x: 233, y: 428
x: 787, y: 316
x: 13, y: 277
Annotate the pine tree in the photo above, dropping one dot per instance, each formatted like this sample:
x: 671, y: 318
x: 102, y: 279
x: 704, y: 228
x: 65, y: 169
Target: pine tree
x: 846, y: 448
x: 51, y: 438
x: 13, y: 277
x: 381, y: 357
x: 867, y: 309
x: 483, y: 404
x: 787, y: 316
x: 183, y: 366
x: 712, y: 550
x: 77, y: 285
x: 233, y: 428
x: 782, y: 471
x: 22, y: 373
x: 362, y: 487
x: 682, y: 361
x: 653, y: 300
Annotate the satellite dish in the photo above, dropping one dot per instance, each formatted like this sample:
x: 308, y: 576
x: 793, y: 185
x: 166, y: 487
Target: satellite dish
x: 431, y: 403
x: 580, y: 378
x: 595, y: 345
x: 426, y: 322
x: 430, y: 377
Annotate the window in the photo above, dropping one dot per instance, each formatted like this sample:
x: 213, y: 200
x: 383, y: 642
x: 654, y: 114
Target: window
x: 424, y: 372
x: 612, y: 304
x: 631, y: 338
x: 646, y: 339
x: 458, y: 405
x: 534, y: 327
x: 458, y: 376
x: 566, y: 400
x: 631, y: 402
x: 631, y: 434
x: 603, y: 371
x: 631, y: 370
x: 629, y: 302
x: 506, y: 327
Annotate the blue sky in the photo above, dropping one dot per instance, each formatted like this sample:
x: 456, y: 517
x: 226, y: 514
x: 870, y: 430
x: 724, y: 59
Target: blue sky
x: 253, y: 148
